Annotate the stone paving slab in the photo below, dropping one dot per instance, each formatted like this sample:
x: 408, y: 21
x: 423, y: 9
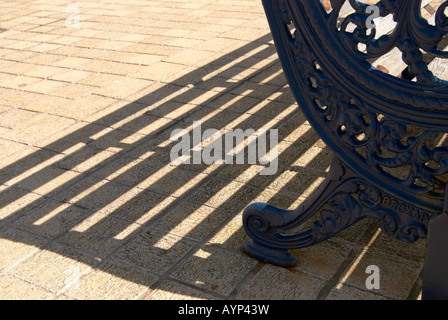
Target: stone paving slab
x: 91, y: 206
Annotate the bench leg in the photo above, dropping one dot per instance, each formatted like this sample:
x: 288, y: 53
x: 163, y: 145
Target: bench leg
x: 267, y: 224
x: 435, y: 277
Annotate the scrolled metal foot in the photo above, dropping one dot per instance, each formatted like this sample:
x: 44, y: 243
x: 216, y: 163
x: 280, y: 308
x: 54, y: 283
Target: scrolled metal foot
x: 261, y: 222
x: 279, y: 257
x: 343, y: 199
x: 271, y: 229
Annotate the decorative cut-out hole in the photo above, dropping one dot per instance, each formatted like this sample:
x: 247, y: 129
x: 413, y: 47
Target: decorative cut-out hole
x: 444, y: 178
x: 384, y: 25
x: 419, y: 183
x: 292, y: 29
x: 362, y: 47
x: 366, y: 119
x: 443, y: 43
x: 323, y: 107
x: 350, y: 27
x: 432, y: 164
x: 327, y: 5
x: 382, y: 68
x: 400, y: 173
x: 361, y: 151
x: 313, y: 82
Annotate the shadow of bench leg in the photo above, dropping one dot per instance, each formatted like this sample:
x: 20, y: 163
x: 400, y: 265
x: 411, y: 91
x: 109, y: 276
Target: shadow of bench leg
x: 435, y: 277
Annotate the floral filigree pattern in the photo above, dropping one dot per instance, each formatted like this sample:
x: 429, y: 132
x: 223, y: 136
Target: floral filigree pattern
x: 411, y: 35
x: 386, y: 141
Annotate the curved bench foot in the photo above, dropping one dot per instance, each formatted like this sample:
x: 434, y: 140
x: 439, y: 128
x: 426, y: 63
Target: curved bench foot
x: 275, y: 256
x: 272, y: 229
x: 344, y: 199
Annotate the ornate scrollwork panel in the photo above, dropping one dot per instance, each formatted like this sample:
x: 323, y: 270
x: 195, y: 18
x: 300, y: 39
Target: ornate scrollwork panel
x: 373, y: 133
x: 388, y: 133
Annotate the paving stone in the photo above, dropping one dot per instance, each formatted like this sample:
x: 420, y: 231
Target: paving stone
x: 185, y: 43
x: 10, y: 147
x: 143, y: 207
x: 71, y: 62
x: 120, y: 89
x: 116, y: 115
x: 283, y: 200
x: 173, y: 290
x: 397, y: 275
x: 45, y: 181
x: 69, y: 139
x: 15, y: 289
x: 160, y: 71
x: 43, y: 72
x: 154, y: 250
x: 229, y: 196
x: 91, y: 193
x: 45, y: 126
x: 191, y: 57
x: 210, y: 119
x: 100, y: 79
x: 21, y: 45
x: 43, y: 86
x: 88, y: 158
x: 18, y: 82
x: 45, y: 47
x: 39, y: 103
x: 356, y: 233
x: 83, y: 106
x: 51, y: 219
x: 97, y: 234
x: 232, y: 235
x: 216, y: 270
x: 111, y: 281
x: 24, y: 162
x: 109, y: 67
x: 274, y: 283
x: 16, y: 202
x: 71, y: 75
x: 132, y: 168
x: 17, y: 119
x: 191, y: 220
x: 55, y: 267
x: 173, y: 181
x: 17, y: 246
x: 415, y: 251
x: 302, y: 183
x: 72, y: 90
x: 10, y: 55
x: 350, y: 293
x: 322, y: 260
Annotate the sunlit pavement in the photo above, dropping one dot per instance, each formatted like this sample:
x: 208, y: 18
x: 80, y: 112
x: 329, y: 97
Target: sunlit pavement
x: 92, y: 206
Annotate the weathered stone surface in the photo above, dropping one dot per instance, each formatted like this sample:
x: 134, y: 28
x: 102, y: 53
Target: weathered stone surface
x: 91, y: 206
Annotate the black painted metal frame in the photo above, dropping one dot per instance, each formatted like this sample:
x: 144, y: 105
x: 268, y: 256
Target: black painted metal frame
x: 385, y: 131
